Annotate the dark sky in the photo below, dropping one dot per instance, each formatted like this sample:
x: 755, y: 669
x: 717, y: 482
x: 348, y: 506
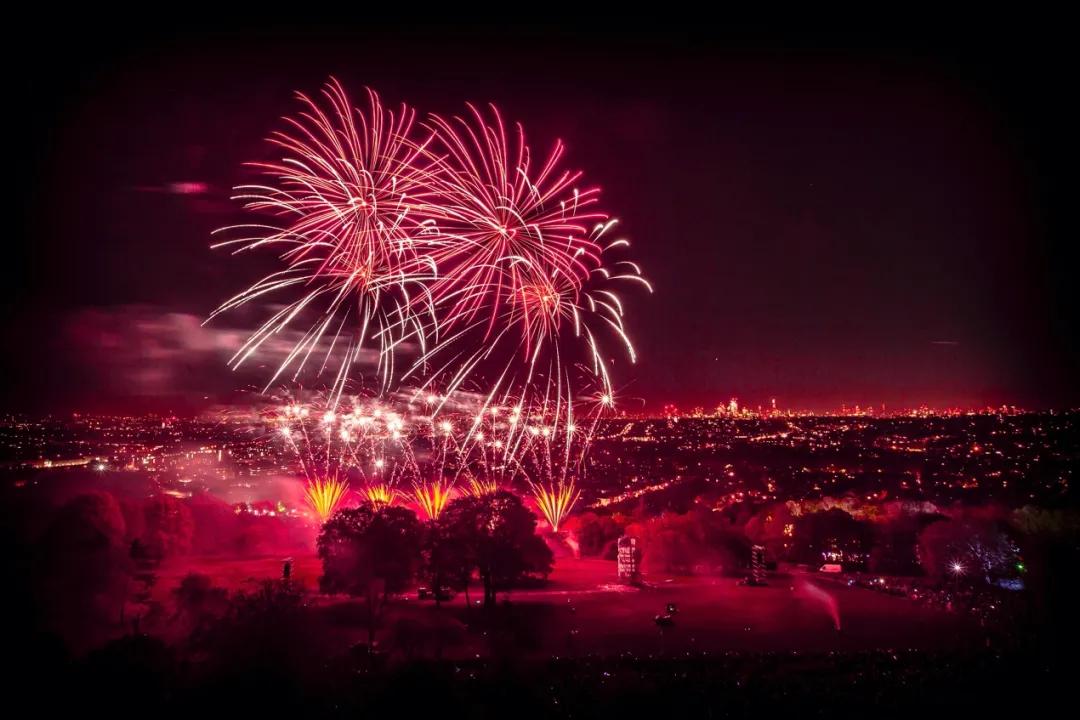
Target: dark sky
x: 828, y: 214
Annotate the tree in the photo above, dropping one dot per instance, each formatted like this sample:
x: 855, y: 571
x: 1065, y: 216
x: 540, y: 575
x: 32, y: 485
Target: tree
x: 499, y: 538
x: 369, y: 552
x: 594, y: 533
x: 447, y: 560
x: 972, y: 545
x: 685, y: 543
x: 84, y: 568
x: 774, y: 527
x: 198, y: 601
x: 830, y: 530
x: 168, y: 528
x: 1050, y: 542
x: 268, y: 638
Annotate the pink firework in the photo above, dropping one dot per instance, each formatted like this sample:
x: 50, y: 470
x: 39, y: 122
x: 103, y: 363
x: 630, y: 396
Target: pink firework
x: 511, y: 227
x: 442, y: 241
x: 349, y: 204
x: 525, y: 288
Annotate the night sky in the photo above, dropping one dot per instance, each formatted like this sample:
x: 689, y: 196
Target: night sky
x: 825, y: 220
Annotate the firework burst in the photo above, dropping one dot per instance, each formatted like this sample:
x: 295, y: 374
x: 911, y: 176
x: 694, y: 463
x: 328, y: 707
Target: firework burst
x: 526, y: 287
x: 347, y: 206
x: 443, y: 240
x: 513, y: 226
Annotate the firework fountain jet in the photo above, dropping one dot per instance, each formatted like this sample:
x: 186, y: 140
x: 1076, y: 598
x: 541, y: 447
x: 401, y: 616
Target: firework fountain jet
x: 556, y: 501
x: 325, y: 494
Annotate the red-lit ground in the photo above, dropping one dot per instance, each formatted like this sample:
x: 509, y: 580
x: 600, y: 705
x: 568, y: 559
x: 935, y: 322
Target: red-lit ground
x: 582, y: 609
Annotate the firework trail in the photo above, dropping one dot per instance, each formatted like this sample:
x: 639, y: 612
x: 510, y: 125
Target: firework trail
x: 387, y: 453
x: 542, y: 442
x: 347, y: 206
x: 362, y: 440
x: 478, y: 445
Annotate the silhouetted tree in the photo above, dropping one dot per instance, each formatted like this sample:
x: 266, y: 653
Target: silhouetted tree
x: 370, y: 552
x: 831, y: 529
x: 594, y: 533
x: 499, y: 534
x: 265, y: 648
x: 447, y: 558
x: 1050, y: 542
x: 684, y: 543
x: 84, y: 568
x: 773, y: 526
x: 198, y: 601
x: 168, y: 527
x: 980, y: 546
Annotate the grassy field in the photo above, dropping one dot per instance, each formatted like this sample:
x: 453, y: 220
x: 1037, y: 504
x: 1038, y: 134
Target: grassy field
x: 583, y: 610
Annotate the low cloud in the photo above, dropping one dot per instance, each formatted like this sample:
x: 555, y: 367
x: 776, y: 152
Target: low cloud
x: 144, y: 351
